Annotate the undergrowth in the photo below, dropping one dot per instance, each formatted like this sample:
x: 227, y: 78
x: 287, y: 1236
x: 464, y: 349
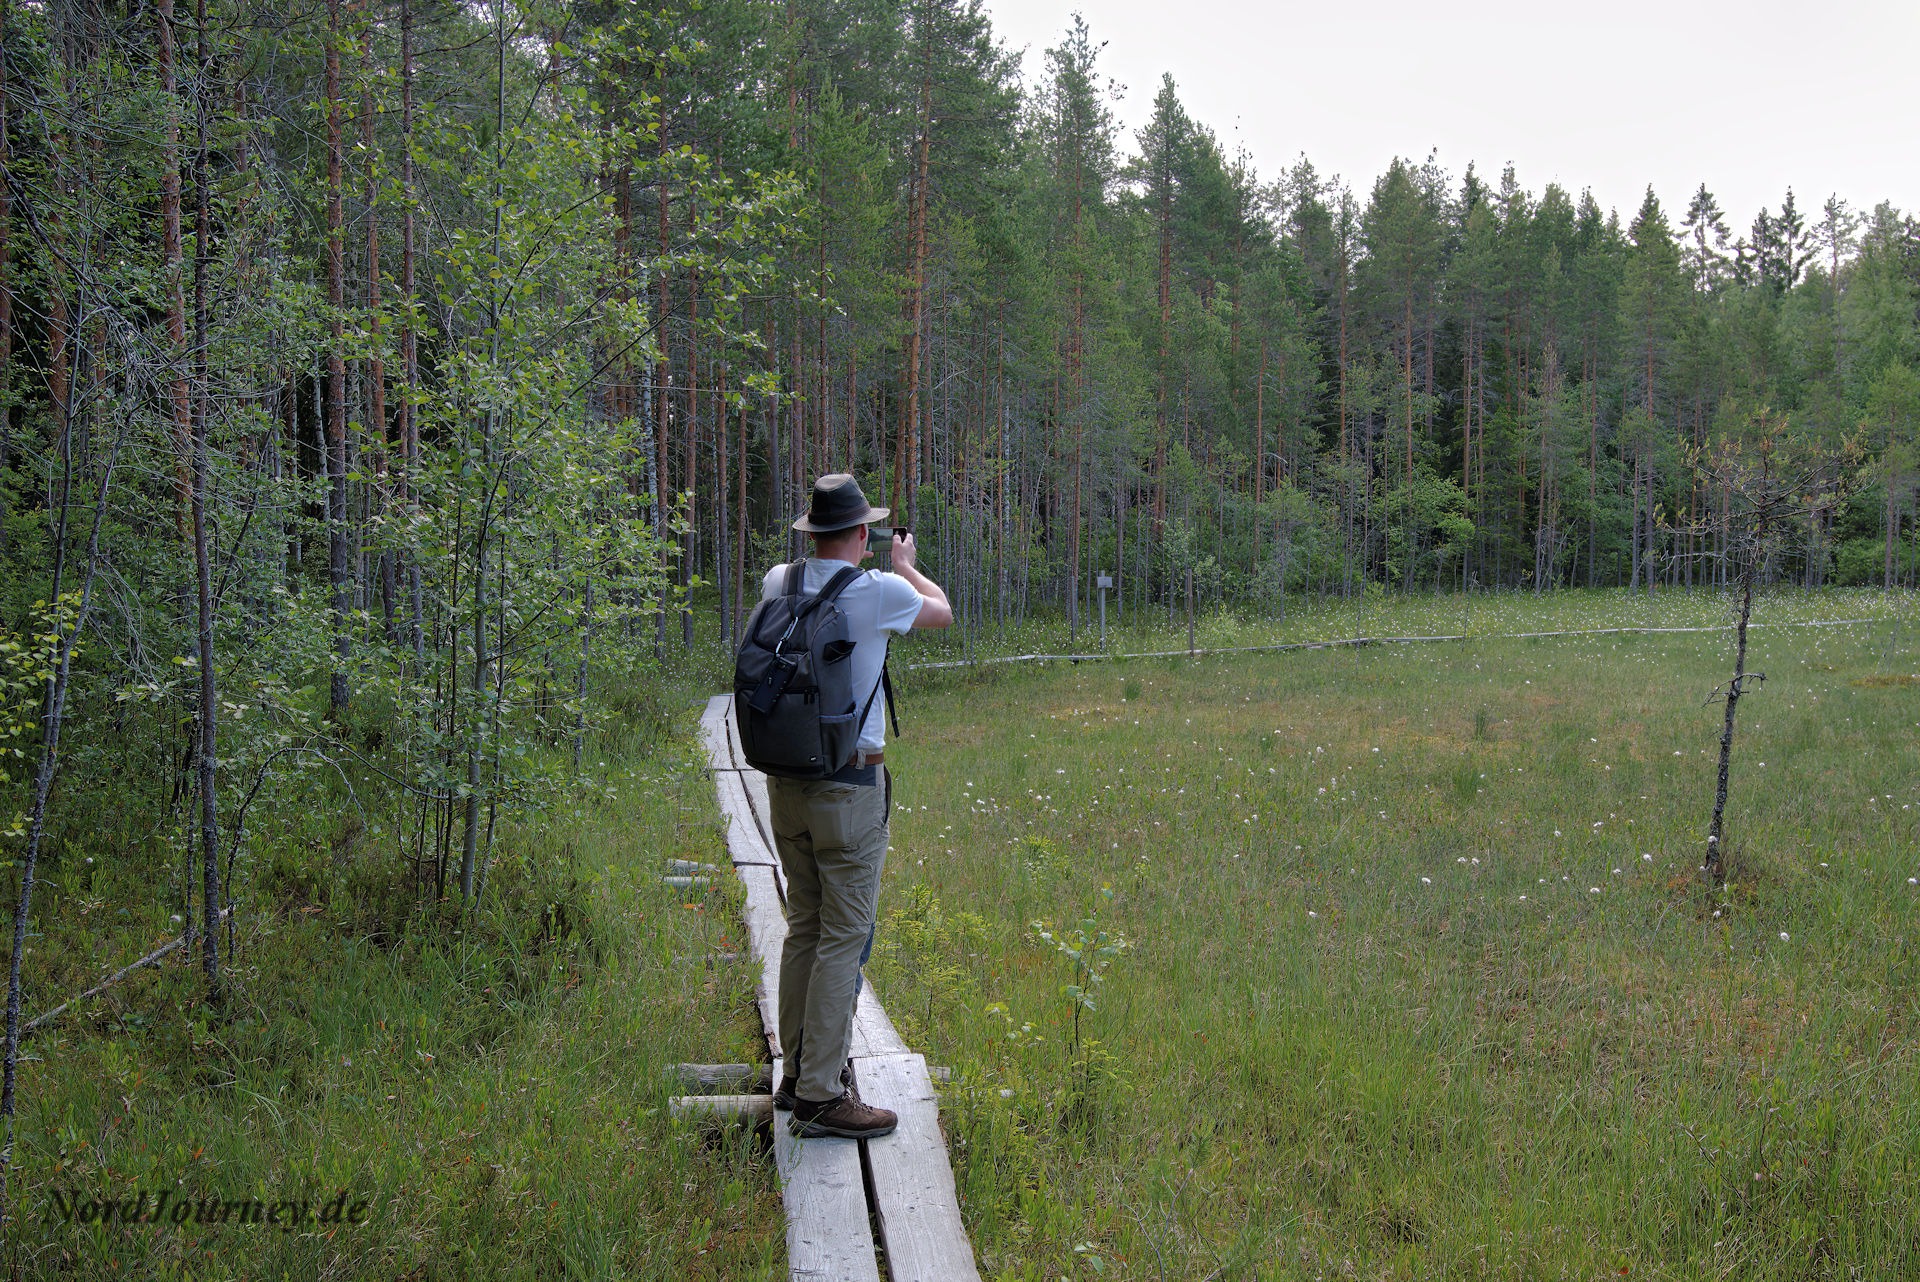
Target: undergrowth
x: 488, y: 1087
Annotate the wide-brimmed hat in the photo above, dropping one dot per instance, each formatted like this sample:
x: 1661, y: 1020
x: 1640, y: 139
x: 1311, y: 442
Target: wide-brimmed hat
x: 838, y: 504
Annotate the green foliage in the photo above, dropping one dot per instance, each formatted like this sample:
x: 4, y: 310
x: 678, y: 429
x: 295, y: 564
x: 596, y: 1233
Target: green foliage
x: 26, y: 666
x: 1089, y: 951
x: 1040, y: 857
x: 1095, y: 1079
x: 931, y: 944
x: 1864, y: 561
x: 493, y: 1084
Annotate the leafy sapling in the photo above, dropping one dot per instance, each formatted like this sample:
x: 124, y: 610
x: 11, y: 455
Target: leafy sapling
x: 1089, y: 951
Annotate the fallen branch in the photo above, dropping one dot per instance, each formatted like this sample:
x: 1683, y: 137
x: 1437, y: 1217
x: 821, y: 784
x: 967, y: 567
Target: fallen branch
x: 151, y: 959
x: 1334, y: 642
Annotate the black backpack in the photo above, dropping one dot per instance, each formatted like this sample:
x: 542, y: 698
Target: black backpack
x: 793, y: 695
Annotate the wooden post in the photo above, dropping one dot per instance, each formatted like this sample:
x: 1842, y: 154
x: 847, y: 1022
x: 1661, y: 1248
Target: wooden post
x: 1190, y: 646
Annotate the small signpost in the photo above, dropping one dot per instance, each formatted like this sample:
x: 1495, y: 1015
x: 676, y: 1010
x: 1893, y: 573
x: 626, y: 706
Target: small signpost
x: 1103, y: 582
x: 1189, y: 609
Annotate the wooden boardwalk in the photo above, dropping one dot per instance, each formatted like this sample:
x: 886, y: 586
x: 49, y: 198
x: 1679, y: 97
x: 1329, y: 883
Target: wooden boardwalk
x: 839, y: 1192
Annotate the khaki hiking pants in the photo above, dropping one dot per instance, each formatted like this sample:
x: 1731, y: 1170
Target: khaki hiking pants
x: 832, y: 840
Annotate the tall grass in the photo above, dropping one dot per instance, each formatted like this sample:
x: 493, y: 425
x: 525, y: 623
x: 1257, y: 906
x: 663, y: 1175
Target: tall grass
x: 1421, y: 980
x: 493, y: 1089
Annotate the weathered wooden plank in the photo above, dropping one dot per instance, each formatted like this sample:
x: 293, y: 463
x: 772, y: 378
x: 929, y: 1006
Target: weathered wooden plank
x: 913, y: 1192
x: 714, y: 735
x: 873, y: 1032
x: 734, y: 745
x: 756, y: 788
x: 767, y: 931
x: 754, y: 784
x: 745, y: 844
x: 828, y: 1237
x: 750, y: 1079
x: 766, y: 923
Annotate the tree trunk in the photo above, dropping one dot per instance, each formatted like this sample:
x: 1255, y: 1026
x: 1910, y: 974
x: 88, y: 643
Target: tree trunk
x: 482, y: 656
x: 1346, y: 473
x: 1716, y: 863
x: 338, y: 691
x: 202, y: 561
x: 376, y: 372
x: 1466, y: 440
x: 1893, y: 515
x: 1260, y: 436
x: 6, y: 274
x: 1165, y: 282
x: 691, y: 452
x: 59, y: 314
x: 1589, y: 370
x: 907, y: 453
x: 177, y: 397
x: 740, y: 524
x: 662, y: 382
x: 409, y: 347
x: 723, y: 483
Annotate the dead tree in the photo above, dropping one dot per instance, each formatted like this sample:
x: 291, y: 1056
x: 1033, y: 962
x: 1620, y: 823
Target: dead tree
x: 1770, y: 486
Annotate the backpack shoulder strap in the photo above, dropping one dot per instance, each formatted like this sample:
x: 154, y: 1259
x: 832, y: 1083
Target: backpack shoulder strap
x: 796, y: 577
x: 833, y: 588
x: 886, y: 682
x: 838, y: 583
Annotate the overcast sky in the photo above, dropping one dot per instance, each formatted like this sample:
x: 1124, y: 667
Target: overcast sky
x: 1747, y: 97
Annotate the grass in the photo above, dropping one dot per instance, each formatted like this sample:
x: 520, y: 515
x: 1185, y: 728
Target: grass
x: 1294, y: 1057
x: 1408, y: 972
x: 494, y: 1091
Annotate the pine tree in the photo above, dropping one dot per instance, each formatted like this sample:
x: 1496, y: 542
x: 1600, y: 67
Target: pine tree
x: 1705, y: 235
x: 1402, y: 233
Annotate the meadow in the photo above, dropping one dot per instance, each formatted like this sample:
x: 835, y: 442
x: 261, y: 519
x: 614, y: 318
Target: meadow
x: 1395, y: 961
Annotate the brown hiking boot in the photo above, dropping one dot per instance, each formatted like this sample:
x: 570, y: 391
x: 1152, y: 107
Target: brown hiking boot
x: 845, y: 1117
x: 785, y: 1095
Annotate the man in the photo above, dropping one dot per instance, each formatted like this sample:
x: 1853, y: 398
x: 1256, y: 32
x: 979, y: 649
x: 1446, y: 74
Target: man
x: 832, y: 833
